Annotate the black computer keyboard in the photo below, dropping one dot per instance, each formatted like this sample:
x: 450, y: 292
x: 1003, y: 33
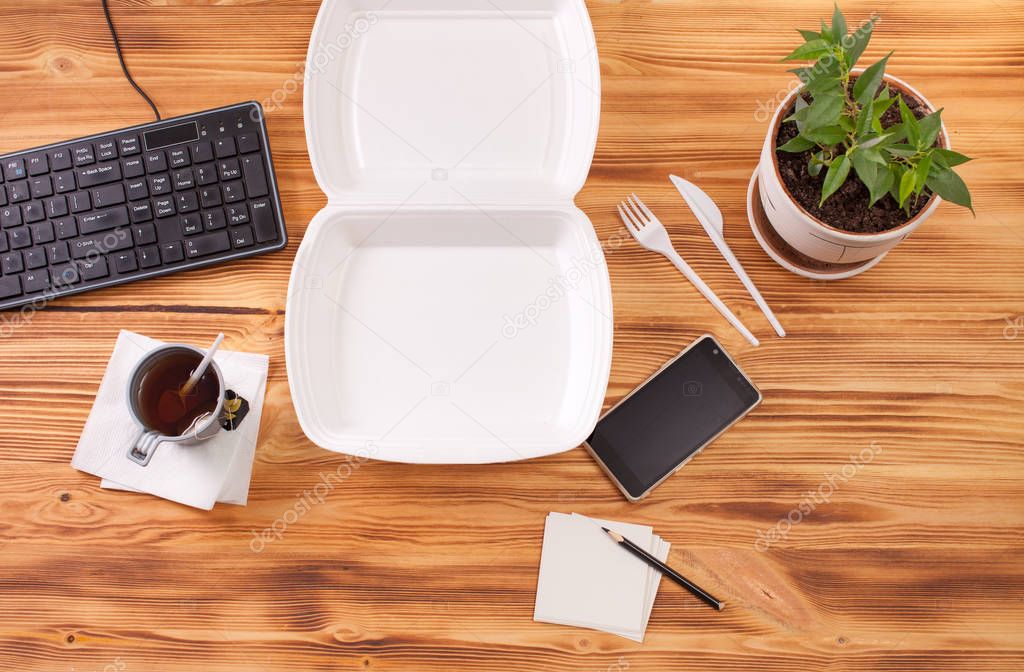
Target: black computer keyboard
x: 144, y: 201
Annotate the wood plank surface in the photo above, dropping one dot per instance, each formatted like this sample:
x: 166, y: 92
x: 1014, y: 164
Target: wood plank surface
x: 914, y: 563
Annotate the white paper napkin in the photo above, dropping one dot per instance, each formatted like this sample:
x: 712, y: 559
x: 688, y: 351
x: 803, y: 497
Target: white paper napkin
x: 587, y: 580
x: 197, y: 475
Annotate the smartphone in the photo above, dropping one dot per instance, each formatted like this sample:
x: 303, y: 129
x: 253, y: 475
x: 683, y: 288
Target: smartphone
x: 658, y: 427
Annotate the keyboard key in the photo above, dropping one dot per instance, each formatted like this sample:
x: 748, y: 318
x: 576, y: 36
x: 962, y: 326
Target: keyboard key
x: 9, y: 286
x: 144, y: 234
x: 60, y: 159
x: 224, y: 147
x: 171, y: 252
x: 187, y: 201
x: 35, y: 281
x: 133, y: 168
x: 137, y: 189
x: 156, y: 162
x: 14, y: 169
x: 255, y: 176
x: 248, y: 142
x: 3, y: 242
x: 56, y: 207
x: 12, y: 263
x: 183, y: 179
x: 159, y: 184
x: 20, y: 237
x: 35, y: 258
x: 206, y: 174
x: 3, y: 195
x: 65, y: 227
x: 38, y: 164
x: 101, y: 243
x: 93, y: 268
x: 103, y: 173
x: 40, y: 187
x: 104, y: 197
x: 58, y: 253
x: 208, y: 243
x: 106, y: 150
x: 201, y: 152
x: 124, y: 262
x: 179, y: 157
x: 10, y: 216
x: 210, y: 197
x: 103, y: 220
x: 79, y: 202
x: 149, y: 256
x: 191, y: 224
x: 214, y: 219
x: 237, y: 214
x: 241, y: 236
x: 263, y: 221
x: 33, y: 212
x: 42, y: 232
x: 18, y: 191
x: 83, y: 154
x: 129, y: 145
x: 233, y: 191
x: 164, y: 207
x: 64, y: 182
x: 141, y: 212
x: 64, y: 275
x: 229, y: 170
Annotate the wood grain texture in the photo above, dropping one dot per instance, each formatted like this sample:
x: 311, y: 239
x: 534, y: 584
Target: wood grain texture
x: 914, y: 563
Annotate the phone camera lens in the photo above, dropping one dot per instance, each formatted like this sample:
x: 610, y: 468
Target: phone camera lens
x: 715, y: 351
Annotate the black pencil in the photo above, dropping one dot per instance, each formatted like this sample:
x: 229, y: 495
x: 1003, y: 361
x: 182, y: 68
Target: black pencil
x: 664, y: 569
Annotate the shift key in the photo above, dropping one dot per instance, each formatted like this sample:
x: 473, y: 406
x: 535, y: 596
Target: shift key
x: 104, y: 243
x: 210, y: 243
x: 101, y: 220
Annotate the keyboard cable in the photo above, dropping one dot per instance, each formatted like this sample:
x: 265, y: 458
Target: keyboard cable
x: 124, y: 66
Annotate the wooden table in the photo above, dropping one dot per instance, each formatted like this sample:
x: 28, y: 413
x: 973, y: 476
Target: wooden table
x: 915, y: 562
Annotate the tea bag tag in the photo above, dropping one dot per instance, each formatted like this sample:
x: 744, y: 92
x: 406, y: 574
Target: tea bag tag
x: 235, y: 410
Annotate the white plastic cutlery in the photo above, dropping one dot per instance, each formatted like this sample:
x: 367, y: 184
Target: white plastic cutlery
x: 651, y: 234
x: 710, y: 217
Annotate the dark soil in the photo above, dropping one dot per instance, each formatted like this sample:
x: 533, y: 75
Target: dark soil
x: 847, y: 209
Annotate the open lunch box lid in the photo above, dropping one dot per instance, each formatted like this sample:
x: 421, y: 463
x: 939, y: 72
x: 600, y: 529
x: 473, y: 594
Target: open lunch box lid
x: 450, y: 304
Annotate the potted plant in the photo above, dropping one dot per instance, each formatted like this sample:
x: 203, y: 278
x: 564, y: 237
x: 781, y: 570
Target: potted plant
x: 854, y: 159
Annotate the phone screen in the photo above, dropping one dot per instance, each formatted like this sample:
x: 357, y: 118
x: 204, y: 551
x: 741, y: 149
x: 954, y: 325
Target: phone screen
x: 671, y: 417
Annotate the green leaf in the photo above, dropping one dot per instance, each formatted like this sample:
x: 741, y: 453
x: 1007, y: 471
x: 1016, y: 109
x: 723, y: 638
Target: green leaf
x: 877, y: 140
x: 835, y: 177
x: 868, y: 82
x: 816, y: 163
x: 858, y: 42
x: 947, y: 158
x: 896, y: 171
x: 873, y: 172
x: 921, y: 174
x: 930, y: 127
x: 809, y: 35
x: 825, y: 110
x: 847, y: 124
x: 797, y: 145
x: 838, y: 24
x: 949, y: 186
x: 809, y: 51
x: 863, y: 125
x: 829, y: 135
x: 904, y: 151
x: 826, y: 32
x: 910, y: 125
x: 906, y: 186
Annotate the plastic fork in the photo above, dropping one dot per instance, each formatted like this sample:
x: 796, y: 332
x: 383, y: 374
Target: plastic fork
x: 651, y: 234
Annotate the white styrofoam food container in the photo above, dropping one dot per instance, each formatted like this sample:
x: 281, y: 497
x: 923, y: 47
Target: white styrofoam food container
x: 450, y: 304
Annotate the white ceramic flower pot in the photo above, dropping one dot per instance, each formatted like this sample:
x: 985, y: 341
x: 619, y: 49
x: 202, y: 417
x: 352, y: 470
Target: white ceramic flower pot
x: 808, y: 234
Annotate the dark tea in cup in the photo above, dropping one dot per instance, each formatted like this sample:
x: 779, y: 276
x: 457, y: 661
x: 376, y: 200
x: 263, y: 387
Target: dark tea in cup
x: 161, y: 404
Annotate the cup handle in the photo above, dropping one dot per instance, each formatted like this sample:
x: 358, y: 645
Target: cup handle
x: 143, y: 447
